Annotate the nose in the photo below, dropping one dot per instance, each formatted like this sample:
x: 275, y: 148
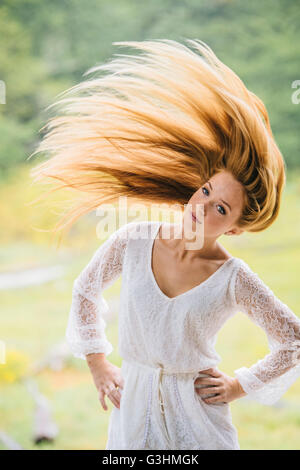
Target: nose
x: 201, y: 207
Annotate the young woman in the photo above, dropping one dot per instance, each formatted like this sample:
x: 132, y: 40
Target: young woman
x: 173, y: 125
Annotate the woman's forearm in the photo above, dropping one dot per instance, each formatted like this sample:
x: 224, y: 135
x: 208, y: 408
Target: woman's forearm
x: 95, y: 358
x: 240, y: 391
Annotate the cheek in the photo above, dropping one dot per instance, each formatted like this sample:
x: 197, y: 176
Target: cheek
x: 213, y: 220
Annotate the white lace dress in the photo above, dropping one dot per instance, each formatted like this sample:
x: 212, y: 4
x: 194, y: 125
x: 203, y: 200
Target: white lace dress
x: 164, y: 342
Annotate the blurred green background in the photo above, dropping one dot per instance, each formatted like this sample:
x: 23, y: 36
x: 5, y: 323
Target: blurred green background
x: 45, y: 48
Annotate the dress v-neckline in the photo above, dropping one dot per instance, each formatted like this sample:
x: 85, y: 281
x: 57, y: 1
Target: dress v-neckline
x: 198, y: 286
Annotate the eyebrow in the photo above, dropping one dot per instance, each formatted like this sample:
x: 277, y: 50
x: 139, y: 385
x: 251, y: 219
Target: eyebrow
x: 221, y: 199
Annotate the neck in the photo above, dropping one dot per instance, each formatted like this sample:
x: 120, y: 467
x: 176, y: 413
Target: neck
x: 191, y: 246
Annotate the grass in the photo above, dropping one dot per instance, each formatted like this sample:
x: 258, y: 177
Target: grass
x: 34, y: 318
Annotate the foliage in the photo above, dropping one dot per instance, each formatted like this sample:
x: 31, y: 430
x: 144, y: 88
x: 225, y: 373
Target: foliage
x: 15, y: 367
x: 49, y: 45
x: 46, y: 47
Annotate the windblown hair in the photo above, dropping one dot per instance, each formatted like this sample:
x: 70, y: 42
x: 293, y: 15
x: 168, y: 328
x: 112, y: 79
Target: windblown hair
x: 155, y: 127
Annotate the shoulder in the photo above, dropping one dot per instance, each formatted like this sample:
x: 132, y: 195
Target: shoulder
x: 244, y: 273
x: 250, y: 286
x: 135, y: 230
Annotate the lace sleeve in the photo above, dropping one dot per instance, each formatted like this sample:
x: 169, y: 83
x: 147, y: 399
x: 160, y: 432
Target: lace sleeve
x: 85, y: 331
x: 268, y: 379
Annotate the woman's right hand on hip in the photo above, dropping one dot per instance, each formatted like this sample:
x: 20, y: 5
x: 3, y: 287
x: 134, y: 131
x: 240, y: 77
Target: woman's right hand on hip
x: 106, y: 377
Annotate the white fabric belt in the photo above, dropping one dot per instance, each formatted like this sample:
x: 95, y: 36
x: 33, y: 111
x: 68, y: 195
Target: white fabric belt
x: 158, y: 372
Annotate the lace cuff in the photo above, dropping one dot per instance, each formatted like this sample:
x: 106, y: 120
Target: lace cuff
x: 85, y: 338
x: 264, y: 393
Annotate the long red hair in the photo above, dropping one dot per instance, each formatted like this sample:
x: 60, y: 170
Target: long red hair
x: 154, y: 127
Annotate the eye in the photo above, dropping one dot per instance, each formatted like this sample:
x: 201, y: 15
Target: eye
x: 223, y: 210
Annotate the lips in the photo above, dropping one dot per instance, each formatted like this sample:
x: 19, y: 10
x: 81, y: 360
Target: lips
x: 194, y: 218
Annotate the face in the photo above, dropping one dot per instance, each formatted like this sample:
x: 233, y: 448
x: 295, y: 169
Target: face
x: 222, y: 199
